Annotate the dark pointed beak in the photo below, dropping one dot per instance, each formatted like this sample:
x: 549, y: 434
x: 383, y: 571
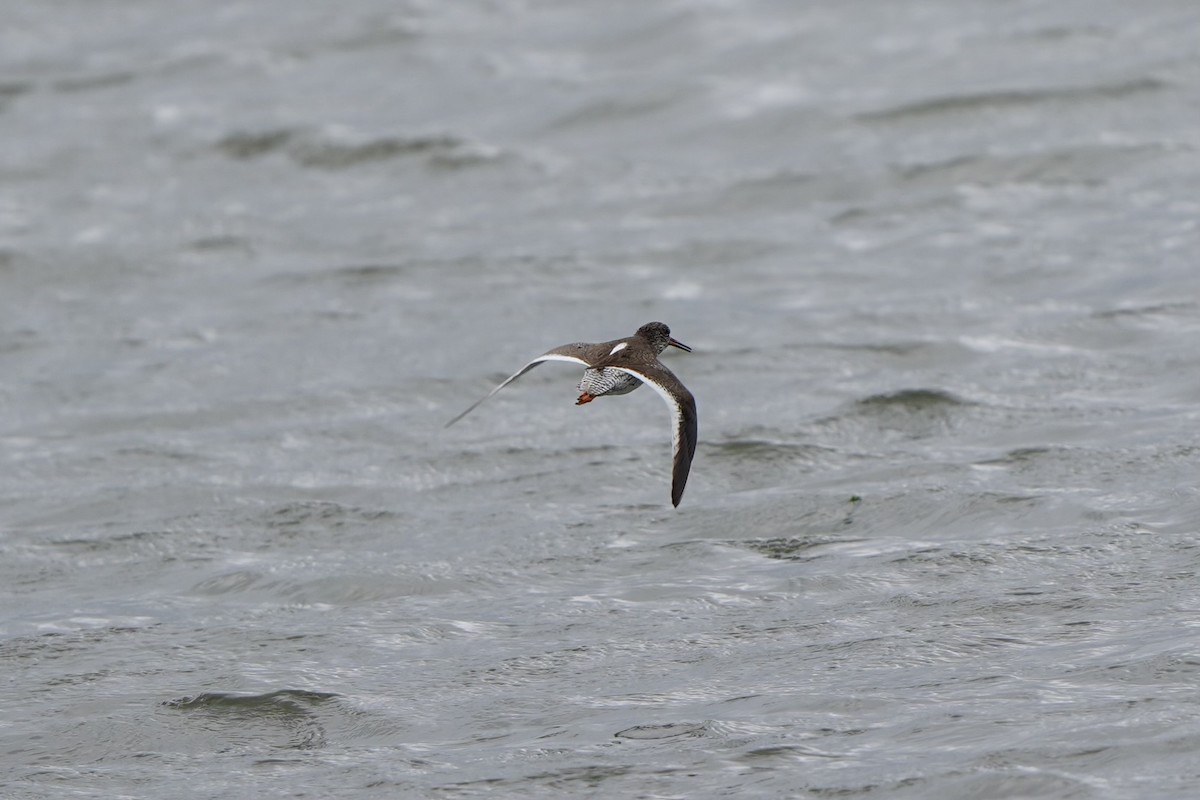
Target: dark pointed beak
x: 680, y: 345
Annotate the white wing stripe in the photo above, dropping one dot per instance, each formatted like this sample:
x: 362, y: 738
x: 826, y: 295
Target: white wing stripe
x: 676, y: 411
x: 514, y: 376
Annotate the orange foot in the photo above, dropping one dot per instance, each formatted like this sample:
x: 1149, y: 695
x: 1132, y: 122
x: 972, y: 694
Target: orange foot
x: 584, y: 398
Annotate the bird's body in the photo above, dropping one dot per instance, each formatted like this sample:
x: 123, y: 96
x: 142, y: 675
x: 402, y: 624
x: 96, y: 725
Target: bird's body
x: 604, y: 381
x: 620, y: 366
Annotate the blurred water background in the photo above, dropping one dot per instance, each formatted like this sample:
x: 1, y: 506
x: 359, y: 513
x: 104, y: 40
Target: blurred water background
x: 938, y: 264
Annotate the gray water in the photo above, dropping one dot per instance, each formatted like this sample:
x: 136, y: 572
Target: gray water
x: 937, y: 261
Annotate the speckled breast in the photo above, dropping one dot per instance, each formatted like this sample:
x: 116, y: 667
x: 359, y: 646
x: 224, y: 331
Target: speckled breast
x: 597, y: 382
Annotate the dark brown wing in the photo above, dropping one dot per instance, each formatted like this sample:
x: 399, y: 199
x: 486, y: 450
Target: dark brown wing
x: 683, y: 418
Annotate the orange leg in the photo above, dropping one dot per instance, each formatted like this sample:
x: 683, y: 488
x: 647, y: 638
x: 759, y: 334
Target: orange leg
x: 584, y: 398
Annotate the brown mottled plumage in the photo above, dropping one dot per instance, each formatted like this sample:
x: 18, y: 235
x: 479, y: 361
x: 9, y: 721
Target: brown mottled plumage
x: 619, y: 367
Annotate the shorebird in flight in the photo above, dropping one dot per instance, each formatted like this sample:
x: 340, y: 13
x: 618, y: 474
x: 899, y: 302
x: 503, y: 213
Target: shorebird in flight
x: 619, y: 367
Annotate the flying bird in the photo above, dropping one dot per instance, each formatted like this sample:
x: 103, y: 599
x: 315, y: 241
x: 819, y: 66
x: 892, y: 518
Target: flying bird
x: 619, y: 367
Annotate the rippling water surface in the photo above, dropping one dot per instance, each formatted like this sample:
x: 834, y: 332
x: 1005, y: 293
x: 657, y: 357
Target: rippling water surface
x: 937, y: 263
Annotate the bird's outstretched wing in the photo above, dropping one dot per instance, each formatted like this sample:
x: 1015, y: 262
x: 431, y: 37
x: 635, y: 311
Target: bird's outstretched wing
x: 683, y: 418
x: 557, y: 354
